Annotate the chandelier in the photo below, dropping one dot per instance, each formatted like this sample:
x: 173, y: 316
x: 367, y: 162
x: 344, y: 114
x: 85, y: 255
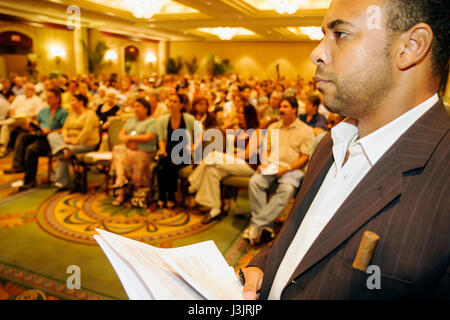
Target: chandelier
x: 288, y: 6
x: 144, y: 9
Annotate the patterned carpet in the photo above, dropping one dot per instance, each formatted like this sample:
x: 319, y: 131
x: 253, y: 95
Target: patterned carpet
x: 43, y: 231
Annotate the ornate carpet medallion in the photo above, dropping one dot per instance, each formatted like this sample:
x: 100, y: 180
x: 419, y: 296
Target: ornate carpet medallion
x: 74, y: 217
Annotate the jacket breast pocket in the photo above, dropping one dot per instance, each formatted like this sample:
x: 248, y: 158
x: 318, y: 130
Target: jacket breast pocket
x: 372, y: 284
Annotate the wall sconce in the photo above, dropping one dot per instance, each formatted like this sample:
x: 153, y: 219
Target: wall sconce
x: 110, y: 56
x: 150, y: 58
x: 57, y: 53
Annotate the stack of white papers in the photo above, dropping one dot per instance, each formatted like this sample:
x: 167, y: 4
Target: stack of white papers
x: 194, y: 272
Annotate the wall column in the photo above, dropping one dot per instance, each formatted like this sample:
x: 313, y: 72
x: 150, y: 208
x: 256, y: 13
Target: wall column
x: 79, y: 36
x: 163, y: 55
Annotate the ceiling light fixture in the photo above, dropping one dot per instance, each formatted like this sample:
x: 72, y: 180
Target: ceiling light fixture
x: 144, y: 9
x: 224, y: 33
x: 288, y: 6
x: 314, y: 33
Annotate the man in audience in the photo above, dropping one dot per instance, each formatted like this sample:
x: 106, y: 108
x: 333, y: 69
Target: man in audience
x: 294, y: 141
x: 66, y: 97
x: 33, y: 144
x: 7, y: 91
x: 312, y: 117
x: 229, y: 108
x: 23, y: 107
x: 270, y: 114
x: 247, y: 92
x: 4, y: 111
x: 371, y: 220
x: 27, y: 104
x: 18, y: 87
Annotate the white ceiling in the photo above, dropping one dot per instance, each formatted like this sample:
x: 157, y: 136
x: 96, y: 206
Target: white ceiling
x: 181, y: 25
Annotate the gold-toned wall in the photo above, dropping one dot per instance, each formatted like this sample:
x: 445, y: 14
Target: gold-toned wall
x: 118, y: 45
x: 252, y: 58
x: 43, y: 38
x: 74, y: 63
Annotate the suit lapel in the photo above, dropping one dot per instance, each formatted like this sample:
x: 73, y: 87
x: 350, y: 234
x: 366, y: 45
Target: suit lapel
x: 381, y: 185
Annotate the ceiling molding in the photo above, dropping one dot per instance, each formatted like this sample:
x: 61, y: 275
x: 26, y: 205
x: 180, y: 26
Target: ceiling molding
x: 267, y: 25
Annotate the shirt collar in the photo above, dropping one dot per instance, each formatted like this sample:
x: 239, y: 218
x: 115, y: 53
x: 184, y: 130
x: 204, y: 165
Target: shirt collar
x: 343, y: 134
x: 379, y: 141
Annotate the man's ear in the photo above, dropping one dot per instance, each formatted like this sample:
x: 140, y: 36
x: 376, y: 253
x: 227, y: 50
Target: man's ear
x: 414, y: 45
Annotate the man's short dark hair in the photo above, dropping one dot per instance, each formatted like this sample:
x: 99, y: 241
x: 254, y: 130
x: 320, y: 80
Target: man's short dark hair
x: 314, y: 99
x: 292, y: 101
x: 404, y: 14
x: 56, y: 92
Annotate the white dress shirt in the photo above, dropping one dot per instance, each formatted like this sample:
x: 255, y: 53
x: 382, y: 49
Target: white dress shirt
x: 28, y: 106
x: 340, y: 181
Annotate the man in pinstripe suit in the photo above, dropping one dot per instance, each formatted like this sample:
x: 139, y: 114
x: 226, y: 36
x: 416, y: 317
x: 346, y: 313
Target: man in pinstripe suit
x: 385, y: 169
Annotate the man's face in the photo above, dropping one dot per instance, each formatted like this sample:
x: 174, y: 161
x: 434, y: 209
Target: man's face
x: 354, y: 70
x: 29, y: 91
x: 275, y: 99
x: 287, y: 112
x: 52, y: 100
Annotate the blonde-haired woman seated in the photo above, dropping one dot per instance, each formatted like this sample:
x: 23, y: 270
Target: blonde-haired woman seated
x: 80, y: 134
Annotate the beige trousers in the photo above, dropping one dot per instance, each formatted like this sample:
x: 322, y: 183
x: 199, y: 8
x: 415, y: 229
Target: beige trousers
x: 205, y: 179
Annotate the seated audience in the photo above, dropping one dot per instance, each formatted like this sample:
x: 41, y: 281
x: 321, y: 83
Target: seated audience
x: 312, y: 117
x: 33, y: 144
x: 294, y: 143
x: 169, y: 137
x: 80, y: 134
x: 131, y: 160
x: 205, y: 179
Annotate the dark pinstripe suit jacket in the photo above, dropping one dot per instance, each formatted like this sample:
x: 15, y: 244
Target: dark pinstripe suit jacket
x: 404, y: 198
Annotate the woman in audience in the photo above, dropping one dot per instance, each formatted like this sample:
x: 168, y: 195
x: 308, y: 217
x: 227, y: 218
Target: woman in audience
x: 131, y: 160
x: 83, y: 89
x: 107, y: 110
x: 205, y: 179
x: 169, y: 140
x: 98, y: 98
x: 80, y: 134
x: 231, y: 121
x: 201, y: 113
x: 158, y: 109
